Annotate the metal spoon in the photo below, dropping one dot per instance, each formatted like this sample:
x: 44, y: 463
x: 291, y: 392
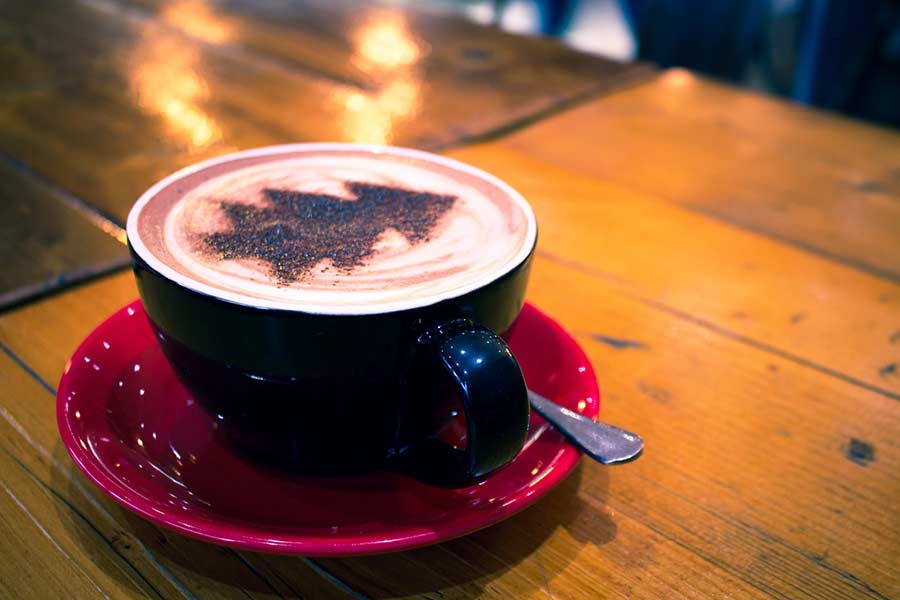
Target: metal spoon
x: 605, y: 443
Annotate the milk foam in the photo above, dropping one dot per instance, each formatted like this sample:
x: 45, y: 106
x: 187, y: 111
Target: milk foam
x: 487, y: 232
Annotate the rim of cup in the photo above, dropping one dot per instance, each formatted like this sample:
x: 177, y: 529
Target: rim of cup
x: 141, y: 250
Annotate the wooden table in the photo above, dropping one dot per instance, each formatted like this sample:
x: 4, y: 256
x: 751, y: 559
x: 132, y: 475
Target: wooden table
x: 101, y: 98
x: 730, y: 263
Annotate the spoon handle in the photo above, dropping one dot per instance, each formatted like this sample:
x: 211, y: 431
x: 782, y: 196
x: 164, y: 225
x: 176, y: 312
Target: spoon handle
x: 605, y: 443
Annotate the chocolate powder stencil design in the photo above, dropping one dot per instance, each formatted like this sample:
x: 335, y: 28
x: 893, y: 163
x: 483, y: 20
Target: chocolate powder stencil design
x: 295, y: 231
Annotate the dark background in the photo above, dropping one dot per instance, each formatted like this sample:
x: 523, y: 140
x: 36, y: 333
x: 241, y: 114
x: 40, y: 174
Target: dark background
x: 842, y: 55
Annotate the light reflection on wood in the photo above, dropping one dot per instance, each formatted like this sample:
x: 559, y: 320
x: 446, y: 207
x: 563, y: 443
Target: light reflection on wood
x: 386, y: 49
x: 166, y: 73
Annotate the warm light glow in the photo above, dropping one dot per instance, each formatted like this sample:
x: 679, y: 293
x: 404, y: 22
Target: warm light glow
x: 540, y: 477
x: 677, y: 78
x: 355, y: 101
x: 385, y: 41
x: 195, y: 18
x: 372, y: 118
x: 110, y: 228
x: 581, y: 405
x: 165, y: 78
x: 384, y: 48
x: 187, y: 117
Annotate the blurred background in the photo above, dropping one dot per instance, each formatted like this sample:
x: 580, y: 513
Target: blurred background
x: 100, y: 98
x: 842, y: 55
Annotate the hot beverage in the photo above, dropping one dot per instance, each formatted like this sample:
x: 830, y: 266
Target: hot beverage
x: 335, y: 232
x: 333, y: 305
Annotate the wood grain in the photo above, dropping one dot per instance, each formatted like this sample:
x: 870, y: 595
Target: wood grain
x: 753, y: 353
x: 105, y: 546
x: 105, y: 97
x: 751, y: 464
x: 41, y: 553
x: 155, y: 86
x: 833, y: 317
x: 746, y: 486
x: 465, y: 571
x: 461, y: 64
x: 815, y: 180
x: 47, y: 239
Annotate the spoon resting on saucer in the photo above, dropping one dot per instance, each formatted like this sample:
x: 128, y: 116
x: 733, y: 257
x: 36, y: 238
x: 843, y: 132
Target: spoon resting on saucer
x: 604, y: 443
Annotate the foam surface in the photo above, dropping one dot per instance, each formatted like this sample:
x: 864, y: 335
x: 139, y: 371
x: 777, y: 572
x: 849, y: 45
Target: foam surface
x: 477, y: 228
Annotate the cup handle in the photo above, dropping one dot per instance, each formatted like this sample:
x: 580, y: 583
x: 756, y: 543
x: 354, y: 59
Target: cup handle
x: 493, y: 395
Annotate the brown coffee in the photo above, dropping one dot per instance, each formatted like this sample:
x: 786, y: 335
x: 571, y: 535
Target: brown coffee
x: 332, y: 228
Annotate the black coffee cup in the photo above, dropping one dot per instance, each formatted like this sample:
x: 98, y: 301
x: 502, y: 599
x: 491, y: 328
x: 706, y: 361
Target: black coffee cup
x: 336, y: 394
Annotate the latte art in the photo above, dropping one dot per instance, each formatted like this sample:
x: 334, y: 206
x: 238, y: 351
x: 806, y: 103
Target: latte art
x: 332, y: 229
x: 296, y: 231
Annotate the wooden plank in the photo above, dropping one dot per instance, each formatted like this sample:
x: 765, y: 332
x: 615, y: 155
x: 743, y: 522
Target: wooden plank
x: 460, y: 574
x: 105, y: 97
x: 113, y: 549
x: 569, y: 545
x: 818, y: 181
x: 366, y: 46
x: 748, y: 466
x: 45, y: 514
x: 836, y: 318
x: 750, y: 458
x: 147, y: 93
x: 42, y: 552
x: 438, y: 64
x: 53, y: 241
x: 137, y: 100
x: 747, y: 485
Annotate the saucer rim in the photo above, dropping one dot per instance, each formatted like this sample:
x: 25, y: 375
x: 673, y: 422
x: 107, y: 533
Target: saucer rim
x: 247, y: 537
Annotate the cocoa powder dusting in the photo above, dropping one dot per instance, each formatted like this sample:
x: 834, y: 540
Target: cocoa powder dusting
x: 295, y: 231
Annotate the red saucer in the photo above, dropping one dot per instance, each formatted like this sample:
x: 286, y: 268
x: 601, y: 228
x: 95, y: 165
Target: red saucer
x: 136, y: 433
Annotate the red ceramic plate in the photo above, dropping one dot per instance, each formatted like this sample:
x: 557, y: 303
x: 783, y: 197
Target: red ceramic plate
x: 138, y: 435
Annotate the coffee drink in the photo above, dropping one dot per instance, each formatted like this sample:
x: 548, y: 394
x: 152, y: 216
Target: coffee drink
x: 332, y: 230
x: 335, y: 307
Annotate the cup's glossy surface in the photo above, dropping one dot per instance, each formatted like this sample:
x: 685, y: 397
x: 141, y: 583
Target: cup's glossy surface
x: 341, y: 394
x: 336, y: 388
x: 135, y: 431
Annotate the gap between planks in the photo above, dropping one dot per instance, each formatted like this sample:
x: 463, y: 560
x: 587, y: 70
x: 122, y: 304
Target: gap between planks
x: 807, y: 247
x: 620, y: 283
x: 173, y: 580
x: 598, y: 92
x: 106, y: 223
x: 135, y: 14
